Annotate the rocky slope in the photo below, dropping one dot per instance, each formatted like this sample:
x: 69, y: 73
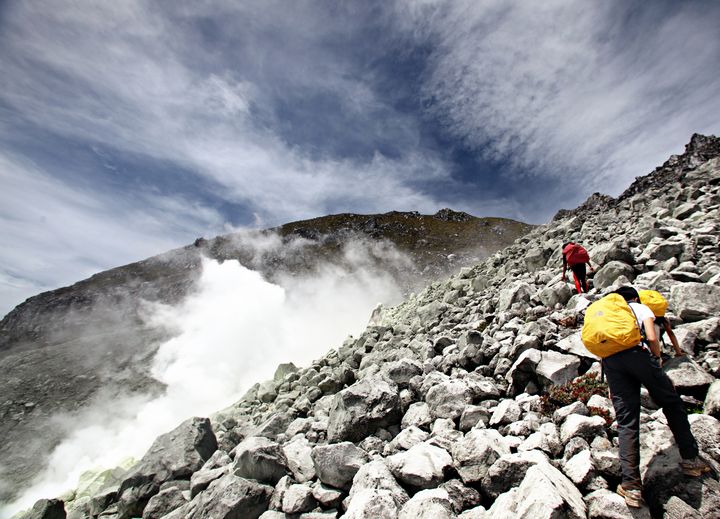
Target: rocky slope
x: 437, y: 409
x: 63, y: 348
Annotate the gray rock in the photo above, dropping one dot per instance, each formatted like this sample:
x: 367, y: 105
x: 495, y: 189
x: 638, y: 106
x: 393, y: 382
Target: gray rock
x: 476, y: 452
x: 372, y: 504
x: 610, y: 272
x: 428, y: 504
x: 448, y: 399
x: 517, y: 293
x: 298, y: 499
x: 604, y: 504
x: 336, y: 464
x: 695, y: 301
x: 377, y: 476
x: 260, y: 459
x: 586, y: 427
x: 461, y: 496
x: 509, y: 470
x: 418, y: 414
x: 676, y: 508
x: 544, y: 493
x: 231, y: 497
x: 174, y: 455
x: 423, y: 466
x: 473, y: 415
x: 405, y: 440
x: 706, y: 430
x: 557, y: 294
x: 547, y: 367
x: 536, y: 258
x: 712, y: 400
x: 611, y: 251
x: 363, y: 408
x: 47, y: 509
x: 573, y: 344
x: 580, y: 469
x: 575, y: 408
x: 299, y: 460
x: 506, y: 412
x: 328, y: 497
x: 546, y: 439
x: 164, y: 502
x: 688, y: 377
x: 401, y: 371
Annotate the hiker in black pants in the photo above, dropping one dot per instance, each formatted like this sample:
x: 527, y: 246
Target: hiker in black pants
x: 625, y: 372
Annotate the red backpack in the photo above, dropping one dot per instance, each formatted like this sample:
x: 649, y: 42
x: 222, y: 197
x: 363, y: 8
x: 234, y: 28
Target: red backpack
x: 575, y: 254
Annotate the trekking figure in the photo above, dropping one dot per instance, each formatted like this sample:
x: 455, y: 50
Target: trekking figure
x: 621, y: 330
x: 575, y: 256
x: 658, y: 304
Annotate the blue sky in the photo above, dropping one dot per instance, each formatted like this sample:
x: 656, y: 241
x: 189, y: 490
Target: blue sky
x: 129, y: 128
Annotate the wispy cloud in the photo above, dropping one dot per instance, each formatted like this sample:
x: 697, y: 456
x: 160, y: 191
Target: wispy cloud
x: 595, y: 93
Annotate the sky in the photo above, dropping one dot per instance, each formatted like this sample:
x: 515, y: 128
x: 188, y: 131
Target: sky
x: 130, y: 128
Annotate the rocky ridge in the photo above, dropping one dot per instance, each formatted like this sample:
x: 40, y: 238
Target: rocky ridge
x: 436, y: 410
x: 66, y: 348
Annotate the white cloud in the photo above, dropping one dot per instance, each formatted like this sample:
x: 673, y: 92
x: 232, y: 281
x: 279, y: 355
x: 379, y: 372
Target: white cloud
x: 232, y: 332
x: 54, y: 234
x: 597, y: 93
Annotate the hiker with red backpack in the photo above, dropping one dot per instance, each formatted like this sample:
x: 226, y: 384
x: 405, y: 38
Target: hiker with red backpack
x: 575, y: 256
x: 621, y: 331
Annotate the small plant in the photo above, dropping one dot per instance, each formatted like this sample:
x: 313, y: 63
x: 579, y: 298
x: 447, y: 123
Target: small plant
x: 579, y: 390
x: 602, y: 413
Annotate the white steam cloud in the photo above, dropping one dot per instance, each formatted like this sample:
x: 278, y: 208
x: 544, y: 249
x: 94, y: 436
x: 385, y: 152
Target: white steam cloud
x: 229, y: 334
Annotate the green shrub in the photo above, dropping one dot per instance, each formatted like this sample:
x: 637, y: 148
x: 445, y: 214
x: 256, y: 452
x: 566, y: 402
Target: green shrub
x: 579, y: 390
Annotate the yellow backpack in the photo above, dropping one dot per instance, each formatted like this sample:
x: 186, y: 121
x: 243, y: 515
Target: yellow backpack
x: 610, y: 326
x: 655, y: 301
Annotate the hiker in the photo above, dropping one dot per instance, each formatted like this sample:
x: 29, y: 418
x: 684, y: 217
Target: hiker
x: 625, y: 371
x: 655, y: 301
x: 575, y: 256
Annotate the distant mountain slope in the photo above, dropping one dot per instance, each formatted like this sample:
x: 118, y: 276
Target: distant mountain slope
x: 64, y: 346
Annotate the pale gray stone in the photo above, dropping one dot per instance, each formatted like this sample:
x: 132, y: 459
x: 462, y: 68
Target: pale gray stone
x: 377, y: 476
x: 423, y: 466
x: 298, y: 499
x: 418, y: 414
x: 448, y: 399
x: 476, y: 452
x: 428, y: 504
x: 230, y: 497
x: 712, y: 400
x: 580, y: 469
x: 372, y: 503
x: 261, y: 459
x: 509, y: 470
x: 299, y: 460
x: 695, y: 301
x: 546, y: 439
x: 336, y: 464
x: 604, y: 504
x: 583, y: 426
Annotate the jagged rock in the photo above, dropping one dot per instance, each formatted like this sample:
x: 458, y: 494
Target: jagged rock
x: 363, y: 408
x: 164, y: 502
x: 573, y: 344
x: 47, y: 509
x: 231, y: 497
x: 418, y: 415
x: 328, y: 497
x: 712, y: 400
x: 423, y: 466
x: 586, y: 427
x: 706, y: 430
x: 611, y: 251
x: 509, y: 470
x: 428, y: 504
x: 695, y: 301
x: 298, y: 499
x: 448, y: 399
x: 519, y: 293
x: 299, y: 460
x: 547, y: 367
x: 575, y: 408
x: 676, y: 508
x: 214, y: 468
x: 476, y: 452
x: 601, y: 402
x: 544, y: 493
x: 605, y: 458
x: 260, y: 459
x: 688, y: 377
x: 506, y: 412
x: 610, y: 272
x: 580, y: 469
x: 546, y: 439
x: 405, y: 440
x: 461, y: 497
x: 604, y: 504
x: 401, y: 371
x: 336, y: 464
x: 557, y: 294
x: 174, y: 455
x: 372, y: 504
x: 377, y: 476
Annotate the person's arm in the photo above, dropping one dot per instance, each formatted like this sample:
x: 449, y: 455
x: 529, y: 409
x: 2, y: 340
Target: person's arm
x: 590, y: 267
x: 651, y: 336
x: 668, y: 330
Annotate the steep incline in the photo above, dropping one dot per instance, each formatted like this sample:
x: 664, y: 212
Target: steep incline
x: 436, y: 410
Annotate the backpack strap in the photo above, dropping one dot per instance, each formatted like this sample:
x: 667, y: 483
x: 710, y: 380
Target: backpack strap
x: 643, y: 341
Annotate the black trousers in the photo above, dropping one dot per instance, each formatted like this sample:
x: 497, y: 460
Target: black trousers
x: 625, y: 372
x: 580, y: 275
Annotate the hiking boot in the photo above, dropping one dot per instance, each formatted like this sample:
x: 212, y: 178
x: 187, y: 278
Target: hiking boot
x: 694, y: 467
x: 633, y: 497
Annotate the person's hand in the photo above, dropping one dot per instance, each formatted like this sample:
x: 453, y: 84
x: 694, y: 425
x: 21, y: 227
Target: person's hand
x: 680, y: 353
x: 591, y: 269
